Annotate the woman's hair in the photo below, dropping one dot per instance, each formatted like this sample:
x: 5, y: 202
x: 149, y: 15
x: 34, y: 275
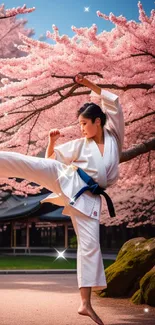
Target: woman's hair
x: 92, y: 111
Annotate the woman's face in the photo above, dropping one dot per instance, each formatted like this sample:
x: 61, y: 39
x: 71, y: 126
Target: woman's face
x: 88, y: 128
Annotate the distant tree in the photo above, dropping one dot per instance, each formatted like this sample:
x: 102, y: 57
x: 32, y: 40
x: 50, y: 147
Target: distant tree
x: 10, y: 27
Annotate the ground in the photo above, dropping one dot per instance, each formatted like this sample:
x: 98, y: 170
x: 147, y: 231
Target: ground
x: 54, y: 299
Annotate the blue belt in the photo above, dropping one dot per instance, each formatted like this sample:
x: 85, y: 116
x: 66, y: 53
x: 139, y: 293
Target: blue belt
x: 94, y: 188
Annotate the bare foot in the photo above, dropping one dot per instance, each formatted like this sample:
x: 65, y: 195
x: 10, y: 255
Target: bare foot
x: 88, y: 311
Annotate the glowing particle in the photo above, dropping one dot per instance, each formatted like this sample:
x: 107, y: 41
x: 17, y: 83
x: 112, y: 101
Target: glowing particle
x: 86, y: 9
x: 146, y: 310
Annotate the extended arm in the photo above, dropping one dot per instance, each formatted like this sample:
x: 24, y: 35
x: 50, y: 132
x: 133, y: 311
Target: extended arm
x: 110, y: 106
x: 50, y: 149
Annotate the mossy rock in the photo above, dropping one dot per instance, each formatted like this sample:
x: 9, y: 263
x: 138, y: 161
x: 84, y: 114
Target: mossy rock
x: 137, y: 298
x: 136, y: 257
x: 146, y: 293
x: 129, y: 245
x: 147, y: 286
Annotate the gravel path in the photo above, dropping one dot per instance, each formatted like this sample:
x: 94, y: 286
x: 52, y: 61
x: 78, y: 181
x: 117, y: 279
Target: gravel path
x: 54, y: 299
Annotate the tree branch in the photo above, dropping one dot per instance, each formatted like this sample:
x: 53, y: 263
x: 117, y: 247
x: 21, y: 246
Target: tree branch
x: 110, y: 86
x: 139, y: 118
x: 83, y: 73
x: 138, y: 150
x: 37, y: 117
x: 49, y: 93
x: 143, y: 53
x: 39, y: 110
x: 10, y: 30
x: 5, y: 17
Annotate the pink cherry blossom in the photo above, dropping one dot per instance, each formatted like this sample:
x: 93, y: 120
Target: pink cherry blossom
x: 38, y: 93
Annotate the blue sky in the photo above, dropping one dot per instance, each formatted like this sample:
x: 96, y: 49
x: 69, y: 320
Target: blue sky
x: 65, y: 13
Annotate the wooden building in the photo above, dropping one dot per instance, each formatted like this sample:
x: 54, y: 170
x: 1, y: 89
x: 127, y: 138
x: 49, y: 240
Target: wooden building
x: 28, y: 226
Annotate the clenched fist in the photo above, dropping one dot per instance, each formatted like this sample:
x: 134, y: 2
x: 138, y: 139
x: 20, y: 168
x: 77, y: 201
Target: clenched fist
x: 79, y: 78
x: 54, y: 134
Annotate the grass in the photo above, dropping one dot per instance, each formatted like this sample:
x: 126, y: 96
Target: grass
x: 39, y: 262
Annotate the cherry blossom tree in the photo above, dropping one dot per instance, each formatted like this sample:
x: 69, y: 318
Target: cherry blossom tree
x: 10, y: 27
x: 39, y: 93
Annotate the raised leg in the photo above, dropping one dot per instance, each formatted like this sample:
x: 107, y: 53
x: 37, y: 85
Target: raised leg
x: 38, y: 170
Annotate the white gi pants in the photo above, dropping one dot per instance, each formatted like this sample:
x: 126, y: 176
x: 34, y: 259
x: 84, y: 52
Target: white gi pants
x: 90, y: 269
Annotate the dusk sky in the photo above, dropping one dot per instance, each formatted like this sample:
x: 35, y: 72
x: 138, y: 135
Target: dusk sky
x: 80, y: 13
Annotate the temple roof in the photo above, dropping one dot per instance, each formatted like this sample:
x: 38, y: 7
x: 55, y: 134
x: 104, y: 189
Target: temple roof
x: 16, y: 207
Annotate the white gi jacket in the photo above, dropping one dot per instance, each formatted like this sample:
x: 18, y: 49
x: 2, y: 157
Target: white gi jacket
x: 84, y: 153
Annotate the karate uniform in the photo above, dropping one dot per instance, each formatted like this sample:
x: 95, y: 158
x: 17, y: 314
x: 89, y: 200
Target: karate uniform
x: 60, y: 177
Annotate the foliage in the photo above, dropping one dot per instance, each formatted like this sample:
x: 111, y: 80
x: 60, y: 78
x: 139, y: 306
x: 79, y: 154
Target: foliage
x: 73, y: 242
x: 10, y: 27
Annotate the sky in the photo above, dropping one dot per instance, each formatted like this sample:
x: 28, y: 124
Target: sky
x: 65, y: 13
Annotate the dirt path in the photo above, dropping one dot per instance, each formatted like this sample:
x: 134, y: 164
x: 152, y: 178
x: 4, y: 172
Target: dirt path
x: 54, y: 300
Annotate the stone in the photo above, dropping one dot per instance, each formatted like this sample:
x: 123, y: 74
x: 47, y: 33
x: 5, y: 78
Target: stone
x: 146, y: 293
x: 134, y: 260
x: 137, y: 297
x: 147, y: 286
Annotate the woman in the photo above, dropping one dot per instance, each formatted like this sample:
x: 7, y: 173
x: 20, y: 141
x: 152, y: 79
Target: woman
x: 97, y: 153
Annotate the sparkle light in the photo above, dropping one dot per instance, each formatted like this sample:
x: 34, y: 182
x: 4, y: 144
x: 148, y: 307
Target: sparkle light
x: 146, y: 310
x: 63, y: 173
x: 86, y: 9
x: 5, y: 114
x: 72, y: 200
x: 60, y: 254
